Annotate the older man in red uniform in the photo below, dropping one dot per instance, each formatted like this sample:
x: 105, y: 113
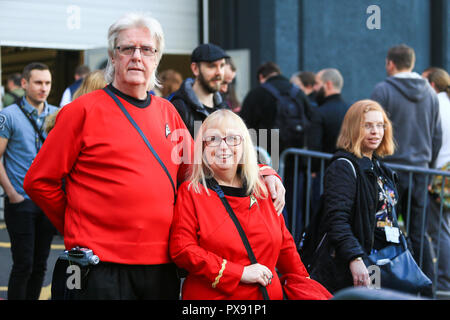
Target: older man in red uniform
x: 119, y: 198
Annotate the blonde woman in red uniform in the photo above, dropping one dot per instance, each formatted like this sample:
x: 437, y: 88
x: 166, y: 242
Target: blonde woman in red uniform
x: 204, y: 239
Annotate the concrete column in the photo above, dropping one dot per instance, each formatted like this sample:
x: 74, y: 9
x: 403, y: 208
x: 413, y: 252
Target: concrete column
x: 279, y: 34
x: 287, y: 36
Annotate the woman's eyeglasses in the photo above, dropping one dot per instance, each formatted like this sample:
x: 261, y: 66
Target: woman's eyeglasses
x: 378, y: 126
x: 214, y: 141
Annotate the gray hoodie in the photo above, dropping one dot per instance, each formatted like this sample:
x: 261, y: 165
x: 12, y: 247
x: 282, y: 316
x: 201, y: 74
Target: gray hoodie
x: 413, y: 107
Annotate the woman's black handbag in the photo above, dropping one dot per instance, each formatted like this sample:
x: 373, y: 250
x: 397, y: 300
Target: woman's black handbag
x: 398, y: 269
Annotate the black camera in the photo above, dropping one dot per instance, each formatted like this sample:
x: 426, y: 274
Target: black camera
x: 81, y: 256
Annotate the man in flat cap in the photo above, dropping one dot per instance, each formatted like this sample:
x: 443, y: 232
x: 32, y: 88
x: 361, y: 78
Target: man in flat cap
x: 199, y: 97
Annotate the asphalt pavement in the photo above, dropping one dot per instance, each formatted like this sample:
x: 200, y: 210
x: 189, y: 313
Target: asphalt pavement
x: 6, y: 262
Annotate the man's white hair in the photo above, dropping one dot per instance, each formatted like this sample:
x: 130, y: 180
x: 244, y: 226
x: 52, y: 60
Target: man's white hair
x: 129, y: 21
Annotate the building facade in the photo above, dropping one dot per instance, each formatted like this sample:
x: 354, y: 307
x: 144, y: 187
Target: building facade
x: 350, y: 35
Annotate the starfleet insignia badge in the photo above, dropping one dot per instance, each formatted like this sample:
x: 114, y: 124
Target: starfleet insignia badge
x: 167, y: 130
x: 252, y: 201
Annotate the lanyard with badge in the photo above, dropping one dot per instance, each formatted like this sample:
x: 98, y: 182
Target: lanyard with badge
x: 392, y: 232
x: 39, y: 131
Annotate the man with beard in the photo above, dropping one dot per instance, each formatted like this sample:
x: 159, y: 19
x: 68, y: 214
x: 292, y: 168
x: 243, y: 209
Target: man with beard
x: 199, y: 97
x: 332, y: 107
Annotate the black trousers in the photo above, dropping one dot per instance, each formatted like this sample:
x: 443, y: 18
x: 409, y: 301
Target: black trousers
x: 113, y: 281
x: 31, y: 234
x: 434, y: 224
x: 418, y: 199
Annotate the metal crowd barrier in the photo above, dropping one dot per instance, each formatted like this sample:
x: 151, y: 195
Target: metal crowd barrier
x: 307, y: 155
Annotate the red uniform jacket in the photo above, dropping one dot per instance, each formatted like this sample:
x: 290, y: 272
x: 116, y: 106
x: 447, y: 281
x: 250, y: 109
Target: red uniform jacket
x: 118, y: 200
x: 205, y: 242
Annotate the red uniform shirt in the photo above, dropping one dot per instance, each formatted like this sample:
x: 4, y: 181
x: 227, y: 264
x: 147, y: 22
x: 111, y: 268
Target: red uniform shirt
x: 119, y: 200
x: 205, y: 242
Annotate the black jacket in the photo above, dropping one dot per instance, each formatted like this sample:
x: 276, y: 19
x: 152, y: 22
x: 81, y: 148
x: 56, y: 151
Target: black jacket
x: 190, y: 108
x: 332, y: 112
x: 259, y: 111
x: 350, y: 205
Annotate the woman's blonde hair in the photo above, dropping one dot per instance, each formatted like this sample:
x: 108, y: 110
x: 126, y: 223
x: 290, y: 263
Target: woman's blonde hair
x: 93, y: 81
x: 50, y: 121
x: 248, y: 168
x: 352, y: 129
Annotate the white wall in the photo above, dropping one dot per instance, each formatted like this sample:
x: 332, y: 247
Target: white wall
x: 241, y: 59
x: 83, y: 24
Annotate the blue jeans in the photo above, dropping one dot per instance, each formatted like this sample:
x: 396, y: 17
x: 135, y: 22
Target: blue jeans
x: 31, y: 234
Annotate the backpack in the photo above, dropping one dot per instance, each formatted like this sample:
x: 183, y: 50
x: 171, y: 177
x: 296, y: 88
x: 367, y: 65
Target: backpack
x: 290, y: 118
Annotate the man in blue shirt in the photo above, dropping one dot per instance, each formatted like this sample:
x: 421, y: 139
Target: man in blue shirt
x: 21, y: 137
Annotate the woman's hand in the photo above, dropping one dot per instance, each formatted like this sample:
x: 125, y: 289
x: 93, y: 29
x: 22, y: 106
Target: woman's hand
x: 257, y: 273
x: 277, y: 192
x: 360, y: 273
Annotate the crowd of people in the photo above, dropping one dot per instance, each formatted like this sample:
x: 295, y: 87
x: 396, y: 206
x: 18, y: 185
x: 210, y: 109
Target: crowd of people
x: 159, y: 176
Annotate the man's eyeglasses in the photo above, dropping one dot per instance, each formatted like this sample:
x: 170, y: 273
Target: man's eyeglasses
x: 129, y: 50
x: 214, y: 141
x: 378, y: 126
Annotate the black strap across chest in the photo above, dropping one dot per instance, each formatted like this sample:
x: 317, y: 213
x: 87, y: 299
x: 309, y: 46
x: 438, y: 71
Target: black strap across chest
x: 215, y: 186
x: 28, y: 115
x: 135, y: 125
